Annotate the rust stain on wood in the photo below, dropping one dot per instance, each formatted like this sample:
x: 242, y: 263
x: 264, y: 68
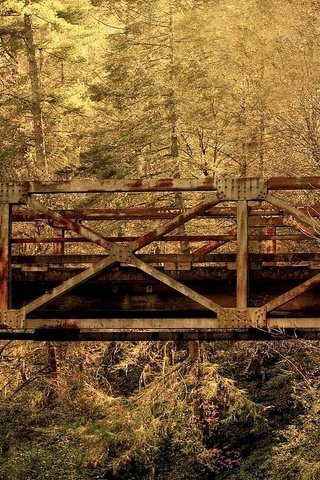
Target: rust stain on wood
x: 258, y: 216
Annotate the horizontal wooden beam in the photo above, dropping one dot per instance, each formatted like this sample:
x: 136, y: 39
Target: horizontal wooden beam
x: 266, y: 214
x: 90, y: 214
x: 287, y: 258
x: 160, y: 323
x: 134, y: 185
x: 294, y: 323
x: 168, y: 238
x: 125, y: 274
x: 293, y: 183
x: 160, y: 185
x: 20, y: 214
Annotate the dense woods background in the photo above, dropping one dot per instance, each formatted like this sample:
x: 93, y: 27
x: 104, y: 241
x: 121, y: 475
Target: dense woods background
x: 159, y: 88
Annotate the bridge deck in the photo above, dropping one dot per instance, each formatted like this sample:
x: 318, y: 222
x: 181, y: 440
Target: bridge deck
x: 238, y: 262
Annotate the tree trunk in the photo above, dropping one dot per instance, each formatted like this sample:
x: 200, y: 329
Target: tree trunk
x: 53, y: 372
x: 40, y: 149
x: 174, y: 146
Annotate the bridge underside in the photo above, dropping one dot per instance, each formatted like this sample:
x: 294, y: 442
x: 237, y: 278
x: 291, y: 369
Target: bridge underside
x: 239, y: 263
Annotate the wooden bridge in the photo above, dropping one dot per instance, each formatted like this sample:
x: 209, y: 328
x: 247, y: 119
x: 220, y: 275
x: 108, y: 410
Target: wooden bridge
x: 241, y: 260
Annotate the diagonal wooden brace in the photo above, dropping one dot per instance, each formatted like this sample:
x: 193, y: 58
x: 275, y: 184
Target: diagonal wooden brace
x: 70, y: 284
x: 290, y: 221
x: 294, y: 292
x: 301, y: 217
x: 176, y: 222
x: 117, y: 253
x: 75, y: 227
x: 179, y: 287
x: 209, y: 247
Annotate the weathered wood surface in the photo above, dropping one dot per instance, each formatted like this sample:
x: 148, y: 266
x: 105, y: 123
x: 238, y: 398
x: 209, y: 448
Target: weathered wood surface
x: 257, y: 215
x: 223, y: 238
x: 163, y: 185
x: 4, y: 255
x: 242, y: 255
x: 160, y: 323
x: 254, y: 258
x: 199, y: 293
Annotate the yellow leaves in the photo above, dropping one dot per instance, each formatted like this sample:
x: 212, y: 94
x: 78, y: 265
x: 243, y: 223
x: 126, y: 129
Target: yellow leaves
x: 52, y: 28
x: 76, y: 98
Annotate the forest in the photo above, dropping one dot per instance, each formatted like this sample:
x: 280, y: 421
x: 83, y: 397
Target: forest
x: 151, y: 89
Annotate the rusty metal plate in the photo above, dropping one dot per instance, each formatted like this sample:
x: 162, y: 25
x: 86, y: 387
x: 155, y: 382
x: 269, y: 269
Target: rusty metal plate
x: 13, y: 193
x: 242, y: 317
x: 257, y: 317
x: 13, y: 318
x: 233, y: 189
x: 121, y: 254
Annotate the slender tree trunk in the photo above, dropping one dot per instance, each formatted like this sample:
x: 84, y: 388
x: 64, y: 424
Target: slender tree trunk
x: 261, y: 140
x: 53, y: 372
x: 173, y: 118
x: 40, y: 149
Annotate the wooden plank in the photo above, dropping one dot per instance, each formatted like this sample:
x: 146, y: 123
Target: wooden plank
x: 169, y: 238
x: 256, y: 214
x: 161, y: 185
x: 4, y: 255
x: 125, y: 323
x: 294, y: 323
x: 198, y: 273
x: 128, y: 238
x: 294, y: 292
x: 98, y: 214
x: 293, y: 183
x: 170, y: 257
x: 242, y: 254
x: 159, y: 324
x: 134, y: 185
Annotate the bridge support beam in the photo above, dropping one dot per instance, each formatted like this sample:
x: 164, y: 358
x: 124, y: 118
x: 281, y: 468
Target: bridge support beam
x: 4, y: 255
x: 242, y: 255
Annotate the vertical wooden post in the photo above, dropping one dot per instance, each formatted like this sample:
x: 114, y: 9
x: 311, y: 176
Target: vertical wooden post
x: 242, y: 254
x: 4, y: 255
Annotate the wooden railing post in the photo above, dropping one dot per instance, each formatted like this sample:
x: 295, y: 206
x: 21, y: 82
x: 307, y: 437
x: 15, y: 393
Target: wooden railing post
x: 5, y: 209
x: 242, y: 254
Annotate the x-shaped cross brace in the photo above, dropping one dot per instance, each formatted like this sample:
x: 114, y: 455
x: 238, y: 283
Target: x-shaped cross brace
x: 122, y: 253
